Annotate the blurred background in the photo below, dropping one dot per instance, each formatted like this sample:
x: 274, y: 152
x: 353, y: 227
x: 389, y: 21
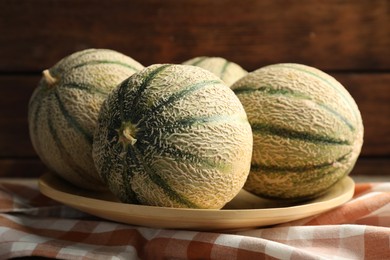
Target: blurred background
x: 348, y: 39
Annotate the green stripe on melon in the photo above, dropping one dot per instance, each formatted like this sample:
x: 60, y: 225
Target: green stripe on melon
x: 173, y: 136
x: 63, y: 111
x: 226, y: 70
x: 307, y: 130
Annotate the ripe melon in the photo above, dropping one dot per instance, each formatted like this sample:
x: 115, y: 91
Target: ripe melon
x: 307, y: 130
x: 63, y: 111
x: 226, y: 70
x: 173, y: 136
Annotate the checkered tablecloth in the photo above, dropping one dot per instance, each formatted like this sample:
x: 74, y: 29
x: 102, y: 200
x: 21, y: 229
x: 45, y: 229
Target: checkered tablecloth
x: 34, y: 225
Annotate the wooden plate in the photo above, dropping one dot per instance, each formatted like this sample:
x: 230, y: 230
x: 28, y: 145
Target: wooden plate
x: 244, y: 211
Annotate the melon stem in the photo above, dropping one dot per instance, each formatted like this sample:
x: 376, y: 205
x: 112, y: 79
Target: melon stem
x: 127, y: 133
x: 49, y: 78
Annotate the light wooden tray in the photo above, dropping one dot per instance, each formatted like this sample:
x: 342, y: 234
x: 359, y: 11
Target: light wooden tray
x: 244, y: 211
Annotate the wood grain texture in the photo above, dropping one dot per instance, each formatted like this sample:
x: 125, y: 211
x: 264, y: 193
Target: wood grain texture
x: 21, y: 168
x: 331, y: 35
x: 14, y: 135
x: 372, y: 167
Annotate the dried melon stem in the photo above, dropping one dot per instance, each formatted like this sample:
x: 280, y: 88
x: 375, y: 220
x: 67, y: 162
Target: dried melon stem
x: 127, y: 134
x: 49, y: 78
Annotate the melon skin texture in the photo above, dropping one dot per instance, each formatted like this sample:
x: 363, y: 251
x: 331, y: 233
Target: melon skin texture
x: 307, y: 130
x: 64, y: 107
x: 173, y: 136
x: 226, y: 70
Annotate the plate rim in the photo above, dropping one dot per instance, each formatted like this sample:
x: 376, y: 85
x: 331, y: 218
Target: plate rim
x: 70, y: 199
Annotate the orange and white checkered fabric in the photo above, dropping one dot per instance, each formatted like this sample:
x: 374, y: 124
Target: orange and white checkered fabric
x: 33, y: 225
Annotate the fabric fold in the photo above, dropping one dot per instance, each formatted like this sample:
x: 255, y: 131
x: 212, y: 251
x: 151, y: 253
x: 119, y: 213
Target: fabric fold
x: 34, y: 225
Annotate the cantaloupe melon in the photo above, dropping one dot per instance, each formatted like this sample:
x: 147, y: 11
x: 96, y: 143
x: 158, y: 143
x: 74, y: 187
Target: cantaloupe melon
x: 63, y: 111
x: 226, y: 70
x: 307, y: 130
x: 173, y: 136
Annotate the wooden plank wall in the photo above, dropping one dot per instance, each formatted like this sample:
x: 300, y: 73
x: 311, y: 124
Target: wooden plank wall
x: 349, y: 39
